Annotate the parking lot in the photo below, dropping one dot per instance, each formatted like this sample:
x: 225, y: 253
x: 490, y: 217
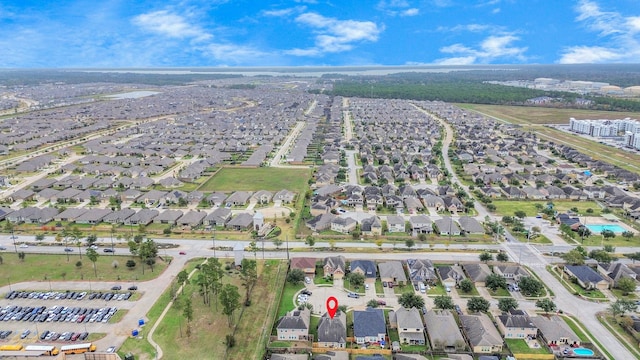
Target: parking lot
x: 59, y: 316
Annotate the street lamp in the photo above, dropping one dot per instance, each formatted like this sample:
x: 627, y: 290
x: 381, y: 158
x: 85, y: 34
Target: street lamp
x: 213, y: 239
x: 13, y: 237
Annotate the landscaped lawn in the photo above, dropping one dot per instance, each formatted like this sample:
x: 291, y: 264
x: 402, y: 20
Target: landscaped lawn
x: 286, y: 301
x: 501, y: 292
x: 519, y: 346
x: 50, y: 267
x: 252, y: 179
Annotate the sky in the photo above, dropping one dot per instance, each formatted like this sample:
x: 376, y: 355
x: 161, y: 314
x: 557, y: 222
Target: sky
x: 208, y: 33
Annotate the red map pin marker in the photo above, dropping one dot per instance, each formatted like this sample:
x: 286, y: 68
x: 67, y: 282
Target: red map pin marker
x: 332, y: 306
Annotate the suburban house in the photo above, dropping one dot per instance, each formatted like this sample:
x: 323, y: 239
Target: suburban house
x: 516, y: 324
x: 410, y: 327
x: 371, y: 226
x: 616, y: 271
x: 334, y: 267
x: 343, y: 224
x: 395, y: 224
x: 513, y: 273
x: 450, y: 275
x: 365, y: 267
x: 555, y: 331
x: 420, y: 224
x: 295, y: 325
x: 392, y: 271
x: 332, y: 333
x: 483, y: 336
x: 422, y: 270
x: 218, y: 217
x: 477, y: 273
x: 168, y: 217
x: 306, y: 264
x: 470, y: 225
x: 320, y: 222
x: 369, y: 326
x: 242, y: 221
x: 586, y: 277
x: 238, y: 198
x: 443, y: 331
x: 446, y: 226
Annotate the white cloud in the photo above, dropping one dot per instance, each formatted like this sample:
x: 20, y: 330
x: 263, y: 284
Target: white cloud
x: 397, y: 8
x: 490, y: 49
x: 616, y: 31
x: 333, y: 35
x: 234, y: 54
x: 466, y: 60
x: 470, y: 28
x: 171, y: 25
x: 410, y: 12
x: 283, y: 12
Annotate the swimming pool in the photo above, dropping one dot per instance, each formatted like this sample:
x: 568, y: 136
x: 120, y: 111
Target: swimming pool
x: 613, y: 227
x: 583, y: 352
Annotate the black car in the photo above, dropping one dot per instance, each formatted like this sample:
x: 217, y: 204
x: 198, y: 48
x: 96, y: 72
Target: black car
x: 108, y: 250
x: 116, y: 287
x: 306, y: 292
x: 133, y: 288
x: 44, y: 334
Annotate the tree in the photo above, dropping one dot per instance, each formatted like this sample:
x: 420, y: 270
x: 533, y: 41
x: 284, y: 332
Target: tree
x: 485, y: 257
x: 573, y: 257
x: 230, y: 300
x: 310, y: 241
x: 633, y: 256
x: 622, y: 306
x: 495, y: 281
x: 91, y: 239
x: 356, y: 279
x: 295, y: 276
x: 77, y: 235
x: 277, y: 242
x: 373, y: 303
x: 443, y: 302
x: 39, y: 237
x: 182, y: 277
x: 93, y: 257
x: 609, y: 248
x: 478, y: 304
x: 148, y: 251
x: 627, y: 235
x: 249, y: 277
x: 520, y: 214
x: 379, y: 243
x: 253, y: 247
x: 130, y: 264
x: 608, y: 234
x: 187, y: 312
x: 21, y: 256
x: 601, y: 256
x: 546, y: 304
x: 507, y: 304
x: 466, y: 285
x: 409, y: 300
x: 409, y: 243
x: 584, y: 232
x: 502, y: 257
x: 627, y: 285
x: 530, y: 286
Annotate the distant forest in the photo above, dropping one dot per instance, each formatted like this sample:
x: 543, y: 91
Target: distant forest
x: 467, y: 86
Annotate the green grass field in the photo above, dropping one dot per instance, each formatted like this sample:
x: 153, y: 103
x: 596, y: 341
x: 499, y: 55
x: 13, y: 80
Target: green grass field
x: 209, y: 326
x: 253, y: 179
x: 509, y: 207
x: 51, y: 268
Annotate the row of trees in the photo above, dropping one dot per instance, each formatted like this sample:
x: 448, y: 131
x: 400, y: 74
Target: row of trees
x: 474, y: 304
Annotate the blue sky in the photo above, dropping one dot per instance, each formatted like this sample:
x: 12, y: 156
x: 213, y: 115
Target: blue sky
x: 185, y: 33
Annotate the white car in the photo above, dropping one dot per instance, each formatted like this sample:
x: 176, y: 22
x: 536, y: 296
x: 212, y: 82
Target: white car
x: 24, y: 246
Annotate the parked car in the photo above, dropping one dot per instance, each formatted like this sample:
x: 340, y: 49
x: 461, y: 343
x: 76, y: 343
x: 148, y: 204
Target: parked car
x: 108, y: 250
x: 458, y: 309
x: 116, y: 287
x: 68, y: 250
x: 24, y: 246
x: 182, y: 253
x: 307, y: 280
x: 382, y: 302
x: 111, y: 349
x: 306, y: 292
x: 133, y: 288
x: 353, y: 295
x: 3, y: 248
